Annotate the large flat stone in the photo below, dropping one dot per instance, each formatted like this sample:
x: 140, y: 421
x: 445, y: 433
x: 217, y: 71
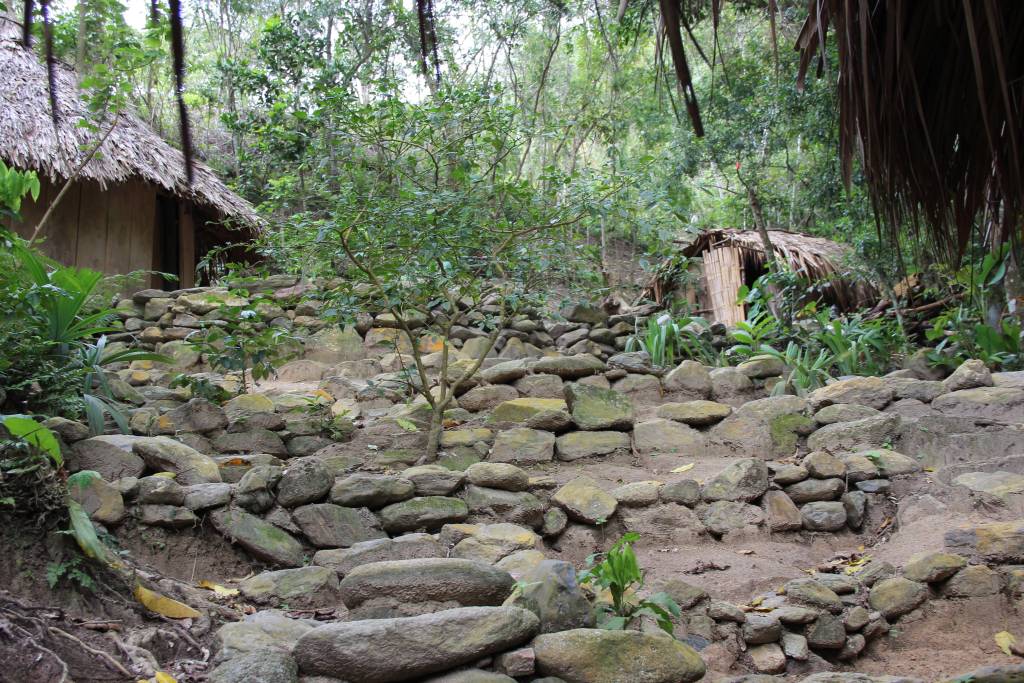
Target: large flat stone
x: 390, y: 650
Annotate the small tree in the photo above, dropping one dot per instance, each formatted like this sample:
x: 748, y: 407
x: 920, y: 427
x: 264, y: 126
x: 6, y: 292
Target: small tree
x: 438, y: 230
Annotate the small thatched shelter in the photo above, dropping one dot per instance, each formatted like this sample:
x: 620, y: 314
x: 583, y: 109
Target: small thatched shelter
x: 130, y: 208
x: 730, y: 258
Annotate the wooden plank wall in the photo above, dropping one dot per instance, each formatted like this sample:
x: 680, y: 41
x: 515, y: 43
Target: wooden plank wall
x: 110, y: 230
x: 723, y: 270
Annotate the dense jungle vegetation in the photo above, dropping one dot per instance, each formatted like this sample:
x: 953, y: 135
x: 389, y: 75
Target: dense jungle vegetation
x: 535, y: 144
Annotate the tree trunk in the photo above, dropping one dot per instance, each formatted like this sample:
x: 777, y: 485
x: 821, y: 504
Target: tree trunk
x: 434, y: 433
x: 769, y: 250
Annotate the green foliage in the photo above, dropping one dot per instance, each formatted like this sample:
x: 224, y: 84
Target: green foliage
x: 14, y: 185
x: 61, y: 298
x: 807, y: 371
x: 243, y: 344
x: 30, y: 460
x: 976, y: 326
x: 89, y: 359
x: 72, y: 570
x: 857, y: 346
x: 36, y: 435
x: 753, y: 334
x: 200, y: 387
x: 659, y: 340
x: 619, y: 573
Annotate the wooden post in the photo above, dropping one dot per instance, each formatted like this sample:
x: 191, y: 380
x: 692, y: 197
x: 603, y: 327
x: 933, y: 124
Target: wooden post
x: 186, y: 246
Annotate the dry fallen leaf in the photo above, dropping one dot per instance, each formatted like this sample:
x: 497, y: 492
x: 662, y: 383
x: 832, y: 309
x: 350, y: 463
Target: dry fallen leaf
x: 161, y: 604
x: 683, y: 468
x: 162, y: 677
x: 1005, y: 641
x: 218, y: 589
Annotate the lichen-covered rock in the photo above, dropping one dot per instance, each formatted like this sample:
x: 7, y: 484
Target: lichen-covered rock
x: 666, y: 436
x: 722, y: 517
x: 434, y: 480
x: 110, y: 455
x: 576, y: 445
x: 1005, y: 404
x: 602, y: 656
x: 974, y: 581
x: 685, y: 492
x: 261, y: 539
x: 1001, y: 542
x: 637, y: 493
x: 867, y: 391
x: 823, y: 516
x: 197, y: 415
x: 205, y: 496
x: 426, y: 512
x: 508, y: 371
x: 487, y: 397
x: 523, y: 445
x: 518, y: 507
x: 815, y: 594
x: 827, y: 632
x: 689, y: 377
x: 729, y: 385
x: 405, y: 547
x: 550, y: 591
x: 822, y: 465
x: 332, y: 526
x: 767, y: 428
x: 933, y: 567
x: 596, y: 409
x: 850, y: 437
x: 971, y: 374
x: 780, y: 511
x: 843, y: 412
x: 383, y: 650
x: 744, y: 480
x: 312, y: 586
x: 695, y: 413
x: 890, y: 463
x: 250, y: 441
x: 260, y: 665
x: 897, y: 596
x: 497, y: 475
x: 431, y: 580
x: 100, y: 500
x: 811, y: 490
x: 371, y: 490
x: 569, y: 367
x: 584, y: 501
x: 167, y: 455
x: 303, y: 481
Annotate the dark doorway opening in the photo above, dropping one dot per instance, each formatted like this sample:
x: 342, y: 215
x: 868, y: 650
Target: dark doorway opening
x: 168, y: 241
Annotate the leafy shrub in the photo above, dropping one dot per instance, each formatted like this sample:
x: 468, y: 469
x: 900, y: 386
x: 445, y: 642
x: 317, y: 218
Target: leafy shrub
x: 30, y: 459
x: 807, y: 371
x: 753, y: 334
x: 669, y: 341
x: 242, y: 343
x: 858, y: 347
x: 619, y: 573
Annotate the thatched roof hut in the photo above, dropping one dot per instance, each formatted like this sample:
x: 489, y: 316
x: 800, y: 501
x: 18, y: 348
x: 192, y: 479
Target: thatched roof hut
x: 730, y: 258
x: 131, y: 207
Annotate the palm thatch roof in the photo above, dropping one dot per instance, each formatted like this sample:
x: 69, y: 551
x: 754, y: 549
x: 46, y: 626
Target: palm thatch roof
x: 29, y: 138
x: 930, y: 100
x: 814, y: 258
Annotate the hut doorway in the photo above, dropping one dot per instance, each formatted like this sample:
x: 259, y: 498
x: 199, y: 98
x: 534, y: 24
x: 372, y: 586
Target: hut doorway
x: 168, y: 242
